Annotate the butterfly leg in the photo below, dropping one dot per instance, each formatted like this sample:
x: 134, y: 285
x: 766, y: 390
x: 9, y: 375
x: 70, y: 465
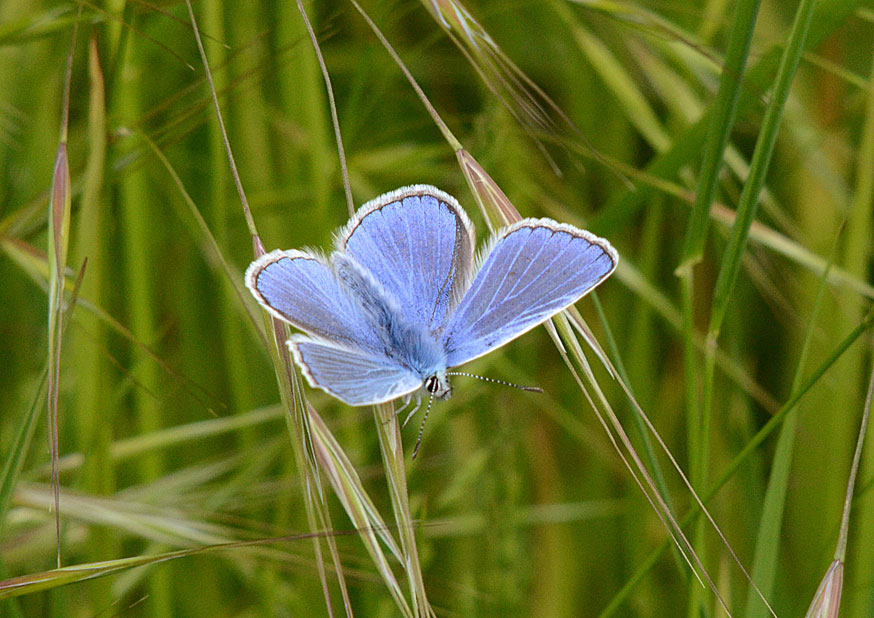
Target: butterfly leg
x: 410, y: 414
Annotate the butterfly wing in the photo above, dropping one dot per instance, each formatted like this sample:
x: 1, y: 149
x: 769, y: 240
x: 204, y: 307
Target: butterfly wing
x: 303, y: 290
x: 346, y: 354
x: 534, y: 270
x: 417, y: 243
x: 356, y: 377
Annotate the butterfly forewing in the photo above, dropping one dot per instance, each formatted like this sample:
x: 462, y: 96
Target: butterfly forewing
x: 535, y: 269
x: 303, y: 290
x: 418, y: 243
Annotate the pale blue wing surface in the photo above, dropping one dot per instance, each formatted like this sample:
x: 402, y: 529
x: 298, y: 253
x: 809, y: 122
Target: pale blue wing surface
x: 303, y: 290
x: 534, y: 270
x: 417, y: 242
x: 353, y: 376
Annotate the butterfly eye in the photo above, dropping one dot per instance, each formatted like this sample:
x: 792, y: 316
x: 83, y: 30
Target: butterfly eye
x: 432, y: 384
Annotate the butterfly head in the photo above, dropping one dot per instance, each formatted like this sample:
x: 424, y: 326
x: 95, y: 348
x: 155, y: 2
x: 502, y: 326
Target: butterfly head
x: 437, y: 385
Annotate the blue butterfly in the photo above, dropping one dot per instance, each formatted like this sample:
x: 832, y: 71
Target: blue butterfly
x: 401, y: 299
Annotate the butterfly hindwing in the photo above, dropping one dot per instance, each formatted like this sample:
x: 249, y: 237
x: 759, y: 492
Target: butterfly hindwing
x: 418, y: 243
x: 356, y: 377
x: 534, y: 270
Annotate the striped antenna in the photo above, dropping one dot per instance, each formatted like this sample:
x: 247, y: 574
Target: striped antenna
x: 422, y: 426
x: 533, y: 389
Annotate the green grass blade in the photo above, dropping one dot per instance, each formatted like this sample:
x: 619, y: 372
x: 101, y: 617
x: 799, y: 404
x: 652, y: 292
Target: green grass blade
x: 742, y: 457
x: 17, y: 451
x: 686, y: 147
x: 733, y: 254
x: 749, y: 200
x: 622, y: 86
x: 59, y: 226
x: 766, y: 563
x: 64, y: 576
x: 720, y: 121
x: 858, y: 255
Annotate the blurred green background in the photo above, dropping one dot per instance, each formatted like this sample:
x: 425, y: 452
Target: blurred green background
x: 171, y: 431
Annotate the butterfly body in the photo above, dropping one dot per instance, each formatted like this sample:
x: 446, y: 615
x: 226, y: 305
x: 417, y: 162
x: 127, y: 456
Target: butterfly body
x: 402, y: 300
x: 409, y: 344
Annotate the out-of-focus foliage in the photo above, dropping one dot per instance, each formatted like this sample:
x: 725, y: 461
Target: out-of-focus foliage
x: 171, y: 432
